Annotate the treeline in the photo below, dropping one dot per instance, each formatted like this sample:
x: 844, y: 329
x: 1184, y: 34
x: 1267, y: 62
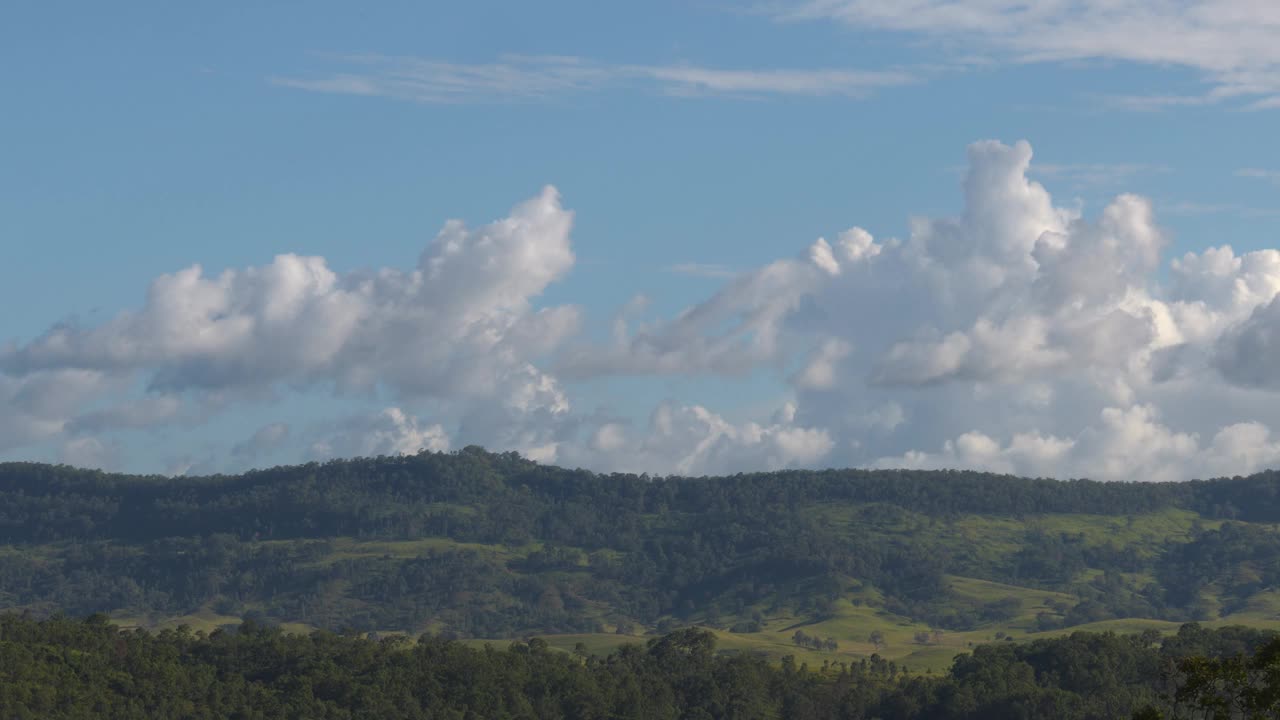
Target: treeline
x: 62, y: 669
x: 422, y: 495
x: 526, y: 548
x: 814, y: 642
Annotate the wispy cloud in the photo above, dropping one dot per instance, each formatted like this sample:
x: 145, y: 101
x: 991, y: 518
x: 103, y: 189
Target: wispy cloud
x: 1154, y: 103
x: 515, y: 78
x: 1231, y: 42
x: 1259, y: 174
x: 848, y: 83
x: 707, y: 270
x: 1077, y: 176
x: 1098, y: 175
x: 1196, y: 208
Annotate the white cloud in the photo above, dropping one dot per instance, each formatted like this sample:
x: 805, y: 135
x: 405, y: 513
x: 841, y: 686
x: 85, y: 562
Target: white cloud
x: 530, y: 77
x: 851, y: 246
x: 1231, y: 42
x: 38, y: 406
x: 730, y: 333
x: 91, y: 452
x: 142, y: 412
x: 692, y: 440
x: 435, y: 81
x: 707, y: 270
x: 1123, y: 444
x: 1094, y: 175
x: 608, y: 438
x: 821, y: 372
x: 1260, y: 174
x: 1247, y: 353
x: 455, y: 322
x: 1018, y: 336
x: 460, y: 327
x: 390, y: 432
x: 747, y: 83
x: 263, y: 441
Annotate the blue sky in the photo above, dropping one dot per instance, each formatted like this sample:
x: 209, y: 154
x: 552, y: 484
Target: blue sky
x: 702, y: 148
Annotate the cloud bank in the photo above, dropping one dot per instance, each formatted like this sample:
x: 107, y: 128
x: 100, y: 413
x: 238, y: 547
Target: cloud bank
x: 1019, y: 336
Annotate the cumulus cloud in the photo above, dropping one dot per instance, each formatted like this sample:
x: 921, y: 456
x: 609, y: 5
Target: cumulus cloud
x: 1123, y: 444
x: 736, y: 330
x: 1247, y: 354
x: 390, y: 432
x: 37, y: 406
x: 731, y: 333
x: 460, y: 326
x: 1018, y: 336
x: 461, y: 318
x: 1014, y: 288
x: 91, y: 452
x: 141, y: 412
x: 692, y: 440
x: 821, y: 371
x: 263, y: 441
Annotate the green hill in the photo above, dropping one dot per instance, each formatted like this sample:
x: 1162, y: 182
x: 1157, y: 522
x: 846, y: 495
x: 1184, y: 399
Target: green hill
x: 830, y: 565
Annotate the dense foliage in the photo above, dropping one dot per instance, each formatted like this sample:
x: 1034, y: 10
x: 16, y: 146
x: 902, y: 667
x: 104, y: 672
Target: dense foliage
x: 60, y: 668
x: 476, y: 544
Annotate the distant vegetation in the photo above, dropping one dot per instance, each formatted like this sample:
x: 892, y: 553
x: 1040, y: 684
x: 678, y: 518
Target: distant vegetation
x: 61, y: 669
x: 916, y: 566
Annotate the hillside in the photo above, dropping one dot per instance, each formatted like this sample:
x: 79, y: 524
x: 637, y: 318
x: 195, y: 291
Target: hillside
x: 914, y: 566
x: 87, y: 668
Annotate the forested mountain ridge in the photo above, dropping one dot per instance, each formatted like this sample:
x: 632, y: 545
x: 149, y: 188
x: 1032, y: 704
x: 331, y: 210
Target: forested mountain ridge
x: 478, y: 545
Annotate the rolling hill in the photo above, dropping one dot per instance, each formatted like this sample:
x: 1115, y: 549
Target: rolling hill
x: 829, y: 565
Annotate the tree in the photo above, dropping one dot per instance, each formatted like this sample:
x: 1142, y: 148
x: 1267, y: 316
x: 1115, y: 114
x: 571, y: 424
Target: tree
x: 877, y: 639
x: 1225, y: 688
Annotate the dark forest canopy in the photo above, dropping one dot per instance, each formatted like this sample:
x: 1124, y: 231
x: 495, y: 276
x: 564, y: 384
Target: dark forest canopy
x: 61, y: 668
x: 477, y: 544
x: 48, y: 502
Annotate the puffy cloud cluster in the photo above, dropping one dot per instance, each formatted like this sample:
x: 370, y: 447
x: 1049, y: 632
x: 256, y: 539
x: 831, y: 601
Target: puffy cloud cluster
x: 459, y: 327
x: 458, y: 333
x: 1019, y: 336
x: 459, y: 322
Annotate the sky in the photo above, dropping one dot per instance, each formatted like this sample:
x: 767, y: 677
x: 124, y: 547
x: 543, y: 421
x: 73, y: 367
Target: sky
x: 696, y: 237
